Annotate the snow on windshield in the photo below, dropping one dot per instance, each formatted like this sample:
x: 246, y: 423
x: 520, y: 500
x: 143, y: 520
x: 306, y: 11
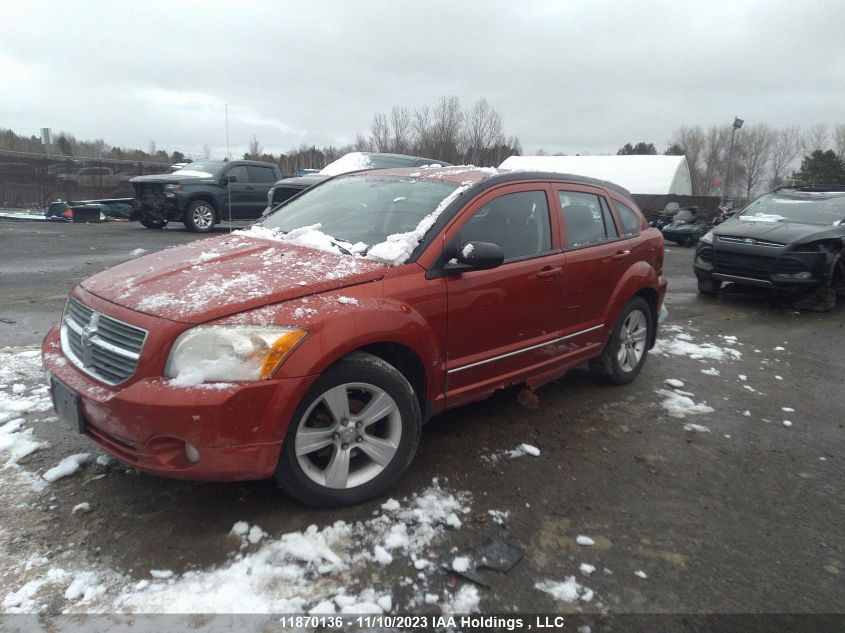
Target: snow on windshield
x: 763, y: 217
x: 394, y: 250
x: 346, y: 163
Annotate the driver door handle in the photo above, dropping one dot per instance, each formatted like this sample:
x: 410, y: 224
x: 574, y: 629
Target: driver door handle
x: 548, y: 272
x: 621, y: 255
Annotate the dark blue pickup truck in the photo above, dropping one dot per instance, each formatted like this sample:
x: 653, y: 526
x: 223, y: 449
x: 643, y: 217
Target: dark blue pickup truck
x: 203, y: 193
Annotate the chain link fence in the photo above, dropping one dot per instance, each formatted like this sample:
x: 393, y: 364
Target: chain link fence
x: 32, y: 181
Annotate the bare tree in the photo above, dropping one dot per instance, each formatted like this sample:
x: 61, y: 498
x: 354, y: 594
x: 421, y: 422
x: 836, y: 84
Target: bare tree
x: 362, y: 144
x: 206, y: 151
x: 380, y: 133
x: 816, y: 139
x: 714, y: 160
x: 484, y: 131
x: 400, y: 130
x: 785, y: 147
x: 753, y: 153
x: 152, y: 148
x: 424, y: 132
x: 255, y: 148
x: 447, y: 127
x: 839, y: 141
x: 691, y: 141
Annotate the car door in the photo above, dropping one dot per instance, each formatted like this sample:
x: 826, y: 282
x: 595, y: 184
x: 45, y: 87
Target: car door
x: 240, y: 191
x: 261, y: 179
x: 595, y: 258
x: 503, y: 323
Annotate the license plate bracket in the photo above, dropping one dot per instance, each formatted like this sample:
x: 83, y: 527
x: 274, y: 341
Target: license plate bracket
x: 67, y: 405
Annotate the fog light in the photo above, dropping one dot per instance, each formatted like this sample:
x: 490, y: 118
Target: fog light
x: 192, y: 453
x: 803, y: 275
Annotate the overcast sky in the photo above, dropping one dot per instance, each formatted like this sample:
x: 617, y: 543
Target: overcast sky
x: 566, y: 76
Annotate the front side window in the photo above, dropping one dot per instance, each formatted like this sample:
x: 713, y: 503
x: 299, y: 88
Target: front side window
x: 240, y: 172
x: 517, y: 222
x: 585, y: 218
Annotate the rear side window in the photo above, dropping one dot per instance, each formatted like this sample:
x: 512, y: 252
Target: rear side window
x: 629, y: 219
x: 517, y: 222
x: 587, y: 219
x: 261, y: 174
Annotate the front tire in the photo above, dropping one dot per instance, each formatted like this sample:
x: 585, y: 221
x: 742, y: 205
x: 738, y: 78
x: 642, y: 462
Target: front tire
x: 153, y: 224
x: 199, y: 216
x: 354, y: 433
x: 709, y: 286
x: 626, y: 351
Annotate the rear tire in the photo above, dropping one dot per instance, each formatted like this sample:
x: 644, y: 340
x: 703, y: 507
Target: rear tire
x: 626, y: 351
x: 354, y: 433
x: 709, y: 286
x: 199, y: 216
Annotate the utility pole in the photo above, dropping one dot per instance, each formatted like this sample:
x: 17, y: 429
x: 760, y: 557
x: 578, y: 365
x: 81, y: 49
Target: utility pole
x: 736, y: 125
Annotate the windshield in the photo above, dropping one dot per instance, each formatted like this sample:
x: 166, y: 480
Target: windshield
x: 823, y: 208
x: 201, y: 169
x: 362, y: 209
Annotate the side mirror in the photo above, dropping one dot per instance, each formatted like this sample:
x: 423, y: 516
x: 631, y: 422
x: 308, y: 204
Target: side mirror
x: 475, y: 256
x: 227, y: 179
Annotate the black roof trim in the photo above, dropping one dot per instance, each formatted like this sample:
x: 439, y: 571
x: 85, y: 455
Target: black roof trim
x: 811, y: 188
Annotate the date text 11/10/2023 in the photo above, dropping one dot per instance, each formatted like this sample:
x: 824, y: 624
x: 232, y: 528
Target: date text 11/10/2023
x: 410, y: 622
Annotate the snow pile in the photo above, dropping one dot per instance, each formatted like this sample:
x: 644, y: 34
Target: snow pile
x: 680, y: 343
x: 67, y: 466
x: 567, y: 591
x: 138, y: 252
x: 317, y: 570
x: 584, y: 540
x: 16, y: 368
x: 679, y: 405
x: 353, y: 161
x: 761, y: 217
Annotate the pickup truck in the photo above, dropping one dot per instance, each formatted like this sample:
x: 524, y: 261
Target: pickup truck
x: 203, y: 193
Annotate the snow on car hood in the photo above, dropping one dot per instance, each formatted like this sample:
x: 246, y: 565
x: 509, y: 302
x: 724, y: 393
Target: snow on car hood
x: 216, y: 277
x: 786, y: 232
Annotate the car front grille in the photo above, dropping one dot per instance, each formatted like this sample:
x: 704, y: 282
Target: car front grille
x: 752, y: 266
x: 750, y: 241
x: 280, y: 194
x: 100, y: 345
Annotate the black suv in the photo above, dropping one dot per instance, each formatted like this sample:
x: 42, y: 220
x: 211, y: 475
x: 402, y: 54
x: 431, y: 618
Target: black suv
x: 199, y: 193
x: 790, y: 239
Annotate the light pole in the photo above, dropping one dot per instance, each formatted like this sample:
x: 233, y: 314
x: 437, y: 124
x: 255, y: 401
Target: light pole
x: 737, y: 124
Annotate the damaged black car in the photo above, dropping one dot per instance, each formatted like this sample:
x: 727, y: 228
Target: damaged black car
x: 791, y: 239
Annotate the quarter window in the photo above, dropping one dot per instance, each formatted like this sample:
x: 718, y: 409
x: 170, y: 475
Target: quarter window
x: 586, y: 218
x: 629, y: 219
x: 517, y: 222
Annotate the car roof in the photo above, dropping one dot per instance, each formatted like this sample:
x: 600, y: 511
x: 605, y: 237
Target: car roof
x: 489, y: 176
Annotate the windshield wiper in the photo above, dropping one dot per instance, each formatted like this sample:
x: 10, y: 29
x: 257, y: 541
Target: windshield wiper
x: 342, y: 249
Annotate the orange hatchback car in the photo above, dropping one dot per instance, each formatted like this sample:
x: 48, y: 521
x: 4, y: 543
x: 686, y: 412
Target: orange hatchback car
x: 313, y: 345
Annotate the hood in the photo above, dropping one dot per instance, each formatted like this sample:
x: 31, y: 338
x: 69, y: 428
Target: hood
x: 168, y: 178
x: 783, y: 232
x: 220, y: 276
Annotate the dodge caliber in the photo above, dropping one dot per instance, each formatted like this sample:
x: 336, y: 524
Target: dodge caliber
x: 312, y: 346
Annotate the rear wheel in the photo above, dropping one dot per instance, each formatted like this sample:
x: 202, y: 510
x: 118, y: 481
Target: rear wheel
x: 708, y: 285
x: 199, y: 217
x: 626, y: 351
x: 352, y: 436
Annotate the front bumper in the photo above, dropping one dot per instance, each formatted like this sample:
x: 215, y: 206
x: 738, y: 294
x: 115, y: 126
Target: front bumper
x: 236, y: 428
x: 777, y: 269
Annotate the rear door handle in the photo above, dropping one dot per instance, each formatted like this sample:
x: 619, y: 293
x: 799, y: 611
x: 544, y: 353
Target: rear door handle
x: 548, y: 272
x: 621, y: 255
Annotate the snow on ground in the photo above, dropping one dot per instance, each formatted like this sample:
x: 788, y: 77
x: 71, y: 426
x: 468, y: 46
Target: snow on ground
x: 568, y: 590
x: 317, y: 570
x: 584, y: 540
x: 674, y: 341
x: 679, y: 405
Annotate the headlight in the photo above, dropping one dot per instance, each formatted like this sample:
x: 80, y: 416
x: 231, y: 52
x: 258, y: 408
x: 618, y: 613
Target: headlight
x: 707, y: 238
x: 230, y: 353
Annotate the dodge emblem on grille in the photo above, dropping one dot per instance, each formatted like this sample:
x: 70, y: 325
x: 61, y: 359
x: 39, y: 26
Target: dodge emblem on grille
x: 85, y: 339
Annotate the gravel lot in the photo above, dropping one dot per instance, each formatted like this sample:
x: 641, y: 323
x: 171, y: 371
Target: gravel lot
x: 726, y: 510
